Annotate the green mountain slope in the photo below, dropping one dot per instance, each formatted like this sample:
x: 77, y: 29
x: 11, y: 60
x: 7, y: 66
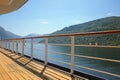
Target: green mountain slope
x: 108, y: 23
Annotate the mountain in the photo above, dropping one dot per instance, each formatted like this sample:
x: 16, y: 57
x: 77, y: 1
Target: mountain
x: 12, y: 35
x: 6, y: 34
x: 108, y: 23
x: 103, y: 24
x: 35, y: 35
x: 32, y: 35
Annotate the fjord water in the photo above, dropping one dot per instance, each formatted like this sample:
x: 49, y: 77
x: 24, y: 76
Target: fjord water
x: 110, y: 53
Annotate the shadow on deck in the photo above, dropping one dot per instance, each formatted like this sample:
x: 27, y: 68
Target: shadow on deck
x: 39, y: 69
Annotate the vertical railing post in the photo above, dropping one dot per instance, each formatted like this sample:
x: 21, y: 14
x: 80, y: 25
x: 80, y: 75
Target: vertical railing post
x: 9, y: 45
x: 3, y: 44
x: 6, y: 46
x: 31, y: 54
x: 0, y: 43
x: 46, y: 51
x: 23, y: 44
x: 17, y: 46
x: 72, y: 55
x: 12, y: 45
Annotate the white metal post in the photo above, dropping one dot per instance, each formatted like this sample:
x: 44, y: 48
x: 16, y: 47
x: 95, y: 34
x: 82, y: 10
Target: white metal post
x: 12, y: 45
x: 46, y: 51
x: 32, y: 48
x: 16, y: 46
x: 9, y: 45
x: 23, y: 44
x: 72, y: 55
x: 6, y: 44
x: 3, y: 44
x: 0, y: 43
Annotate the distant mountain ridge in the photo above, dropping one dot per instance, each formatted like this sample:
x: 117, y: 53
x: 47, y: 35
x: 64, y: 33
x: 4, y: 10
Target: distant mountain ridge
x: 107, y: 23
x: 32, y: 35
x: 103, y: 24
x: 6, y: 34
x: 36, y: 35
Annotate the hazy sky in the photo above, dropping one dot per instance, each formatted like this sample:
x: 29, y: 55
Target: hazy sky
x: 46, y: 16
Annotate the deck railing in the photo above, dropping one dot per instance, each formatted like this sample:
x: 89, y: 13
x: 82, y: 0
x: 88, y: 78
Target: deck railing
x: 13, y: 45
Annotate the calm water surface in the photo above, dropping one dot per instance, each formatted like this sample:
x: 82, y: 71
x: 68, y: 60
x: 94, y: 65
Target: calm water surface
x: 111, y: 53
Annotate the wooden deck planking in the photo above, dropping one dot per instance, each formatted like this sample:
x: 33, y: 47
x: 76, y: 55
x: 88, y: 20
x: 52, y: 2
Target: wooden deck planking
x: 13, y: 70
x: 9, y: 70
x: 50, y: 73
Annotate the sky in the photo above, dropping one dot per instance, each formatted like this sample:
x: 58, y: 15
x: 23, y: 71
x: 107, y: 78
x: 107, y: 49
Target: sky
x: 47, y: 16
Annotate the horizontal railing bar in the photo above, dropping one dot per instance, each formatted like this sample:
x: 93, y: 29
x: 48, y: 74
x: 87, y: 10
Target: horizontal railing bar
x: 98, y: 58
x: 73, y: 34
x: 40, y: 58
x: 97, y: 46
x: 59, y: 44
x: 38, y: 49
x: 100, y: 71
x: 59, y: 52
x: 23, y: 40
x: 27, y: 47
x: 59, y: 61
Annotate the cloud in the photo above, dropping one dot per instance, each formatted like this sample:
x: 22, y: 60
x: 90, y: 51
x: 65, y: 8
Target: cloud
x: 76, y: 21
x: 44, y: 22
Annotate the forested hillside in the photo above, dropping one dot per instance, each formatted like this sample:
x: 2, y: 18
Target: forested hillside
x: 103, y: 24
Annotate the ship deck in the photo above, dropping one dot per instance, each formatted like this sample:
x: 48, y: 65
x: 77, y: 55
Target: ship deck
x: 16, y: 67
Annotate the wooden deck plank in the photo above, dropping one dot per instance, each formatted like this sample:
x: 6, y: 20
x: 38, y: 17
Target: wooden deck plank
x: 9, y: 70
x: 12, y: 76
x: 1, y: 77
x: 47, y: 72
x: 6, y: 64
x: 24, y: 74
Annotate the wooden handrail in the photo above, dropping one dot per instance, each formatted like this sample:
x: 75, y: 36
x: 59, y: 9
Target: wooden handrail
x: 73, y: 34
